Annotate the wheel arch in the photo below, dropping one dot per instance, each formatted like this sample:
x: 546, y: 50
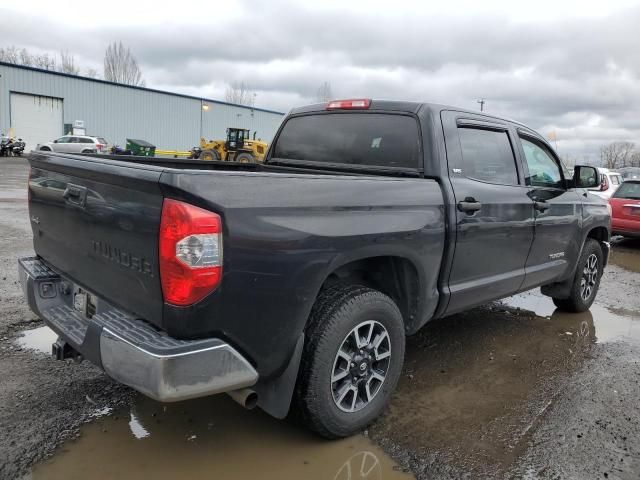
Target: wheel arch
x: 396, y: 276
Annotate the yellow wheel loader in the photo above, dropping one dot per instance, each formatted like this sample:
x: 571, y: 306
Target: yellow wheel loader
x: 238, y: 147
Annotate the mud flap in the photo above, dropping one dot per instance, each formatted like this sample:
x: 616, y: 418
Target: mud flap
x: 274, y: 397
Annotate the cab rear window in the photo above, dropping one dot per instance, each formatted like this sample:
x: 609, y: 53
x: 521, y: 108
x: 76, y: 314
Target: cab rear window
x: 359, y: 139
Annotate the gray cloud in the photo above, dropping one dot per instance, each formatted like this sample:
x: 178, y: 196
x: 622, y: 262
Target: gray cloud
x: 579, y: 77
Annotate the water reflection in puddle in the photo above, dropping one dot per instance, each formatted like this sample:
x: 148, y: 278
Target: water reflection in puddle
x: 609, y: 324
x: 38, y: 339
x: 210, y: 438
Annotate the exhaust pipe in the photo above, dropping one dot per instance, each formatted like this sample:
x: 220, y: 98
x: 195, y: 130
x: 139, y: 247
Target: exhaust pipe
x: 246, y: 397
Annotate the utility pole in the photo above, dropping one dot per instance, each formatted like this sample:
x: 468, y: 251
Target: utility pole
x: 481, y: 102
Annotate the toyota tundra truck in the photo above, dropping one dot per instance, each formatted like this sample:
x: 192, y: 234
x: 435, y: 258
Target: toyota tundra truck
x: 293, y: 284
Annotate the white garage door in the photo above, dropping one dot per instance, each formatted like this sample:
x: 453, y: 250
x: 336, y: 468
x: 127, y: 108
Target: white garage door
x: 36, y: 119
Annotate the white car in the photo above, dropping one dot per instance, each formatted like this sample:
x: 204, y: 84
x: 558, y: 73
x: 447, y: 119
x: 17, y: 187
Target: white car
x: 609, y: 183
x: 76, y: 144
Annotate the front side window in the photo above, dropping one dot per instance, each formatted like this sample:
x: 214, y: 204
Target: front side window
x: 543, y: 169
x: 359, y: 139
x: 487, y: 156
x: 63, y: 140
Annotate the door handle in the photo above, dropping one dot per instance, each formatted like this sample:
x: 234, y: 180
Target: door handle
x: 75, y: 194
x: 541, y: 206
x: 469, y: 205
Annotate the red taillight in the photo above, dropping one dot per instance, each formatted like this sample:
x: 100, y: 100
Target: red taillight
x: 99, y: 146
x: 604, y: 185
x: 190, y: 252
x: 360, y: 103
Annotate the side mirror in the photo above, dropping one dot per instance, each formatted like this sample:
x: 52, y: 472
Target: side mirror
x: 585, y: 177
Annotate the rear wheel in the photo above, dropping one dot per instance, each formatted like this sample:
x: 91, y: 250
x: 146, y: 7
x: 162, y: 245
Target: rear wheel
x: 45, y: 149
x: 586, y: 280
x: 353, y: 355
x: 209, y: 155
x: 245, y: 158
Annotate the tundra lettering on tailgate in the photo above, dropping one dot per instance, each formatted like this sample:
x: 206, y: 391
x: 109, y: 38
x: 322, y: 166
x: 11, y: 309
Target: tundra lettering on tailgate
x: 122, y: 257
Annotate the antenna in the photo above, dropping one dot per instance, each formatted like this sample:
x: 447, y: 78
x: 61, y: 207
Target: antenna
x: 481, y: 102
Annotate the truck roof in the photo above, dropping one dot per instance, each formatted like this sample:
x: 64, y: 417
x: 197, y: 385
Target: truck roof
x: 414, y: 107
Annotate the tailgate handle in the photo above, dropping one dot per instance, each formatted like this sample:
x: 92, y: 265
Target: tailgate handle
x: 75, y: 194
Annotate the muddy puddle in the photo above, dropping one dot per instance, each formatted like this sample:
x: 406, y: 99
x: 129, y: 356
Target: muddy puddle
x: 37, y: 339
x: 477, y: 385
x: 210, y: 438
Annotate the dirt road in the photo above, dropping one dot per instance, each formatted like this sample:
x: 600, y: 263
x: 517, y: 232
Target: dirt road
x: 509, y: 390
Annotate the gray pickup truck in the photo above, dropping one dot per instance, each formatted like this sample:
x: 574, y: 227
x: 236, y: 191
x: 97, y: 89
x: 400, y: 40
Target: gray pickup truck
x: 294, y: 283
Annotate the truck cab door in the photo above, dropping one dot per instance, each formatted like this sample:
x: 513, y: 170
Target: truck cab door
x: 494, y: 212
x: 558, y: 214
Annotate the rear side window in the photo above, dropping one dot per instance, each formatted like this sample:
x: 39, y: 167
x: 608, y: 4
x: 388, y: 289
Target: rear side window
x: 615, y: 179
x: 487, y: 155
x: 630, y: 190
x: 374, y: 139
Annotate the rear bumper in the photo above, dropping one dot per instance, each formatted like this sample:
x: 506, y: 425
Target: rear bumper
x: 130, y: 350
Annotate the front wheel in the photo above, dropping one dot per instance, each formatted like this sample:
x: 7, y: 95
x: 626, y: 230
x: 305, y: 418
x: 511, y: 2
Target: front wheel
x: 352, y: 360
x: 586, y: 280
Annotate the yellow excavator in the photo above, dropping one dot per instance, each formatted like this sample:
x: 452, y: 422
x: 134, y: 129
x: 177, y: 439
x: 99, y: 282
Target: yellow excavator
x: 238, y: 147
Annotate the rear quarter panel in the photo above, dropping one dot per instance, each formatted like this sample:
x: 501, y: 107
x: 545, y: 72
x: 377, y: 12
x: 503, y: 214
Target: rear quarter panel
x: 284, y: 234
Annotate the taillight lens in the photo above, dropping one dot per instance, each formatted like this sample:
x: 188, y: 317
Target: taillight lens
x: 605, y: 183
x: 190, y: 252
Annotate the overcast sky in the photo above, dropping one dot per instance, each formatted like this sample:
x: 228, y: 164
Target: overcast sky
x: 569, y: 67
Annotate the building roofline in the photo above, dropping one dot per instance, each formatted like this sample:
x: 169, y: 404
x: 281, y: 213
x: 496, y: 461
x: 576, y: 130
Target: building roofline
x: 146, y: 89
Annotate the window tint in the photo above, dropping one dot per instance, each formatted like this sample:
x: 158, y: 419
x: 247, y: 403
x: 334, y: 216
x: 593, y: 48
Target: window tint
x: 85, y: 140
x: 73, y: 140
x: 487, y: 155
x: 351, y: 138
x: 630, y: 190
x: 543, y: 170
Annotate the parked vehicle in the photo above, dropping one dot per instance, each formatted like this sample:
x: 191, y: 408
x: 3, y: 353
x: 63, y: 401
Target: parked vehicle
x: 194, y: 153
x: 297, y: 280
x: 5, y: 145
x: 17, y: 148
x: 609, y: 183
x: 630, y: 173
x: 625, y: 209
x: 118, y: 150
x: 75, y: 144
x: 237, y: 147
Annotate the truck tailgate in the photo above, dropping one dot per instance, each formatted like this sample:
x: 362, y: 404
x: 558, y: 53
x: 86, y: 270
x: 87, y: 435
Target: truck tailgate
x: 97, y: 221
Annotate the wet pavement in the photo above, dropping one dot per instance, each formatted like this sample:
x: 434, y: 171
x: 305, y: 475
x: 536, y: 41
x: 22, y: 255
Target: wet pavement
x: 514, y: 389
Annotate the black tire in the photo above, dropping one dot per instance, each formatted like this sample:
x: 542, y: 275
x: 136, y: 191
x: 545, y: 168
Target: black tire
x: 577, y: 300
x: 337, y: 311
x: 245, y: 158
x: 209, y: 154
x: 45, y: 149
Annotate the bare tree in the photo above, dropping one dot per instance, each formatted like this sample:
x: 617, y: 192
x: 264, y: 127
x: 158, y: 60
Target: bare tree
x: 616, y: 154
x: 240, y: 93
x: 10, y: 55
x: 634, y: 161
x: 91, y: 73
x: 324, y: 94
x: 68, y: 63
x: 44, y: 61
x: 120, y: 66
